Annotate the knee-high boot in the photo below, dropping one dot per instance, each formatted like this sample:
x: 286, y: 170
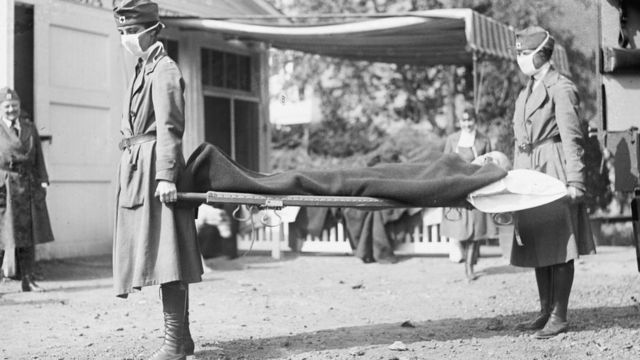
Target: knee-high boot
x: 174, y: 306
x: 562, y: 282
x: 189, y: 346
x: 545, y: 293
x: 26, y: 257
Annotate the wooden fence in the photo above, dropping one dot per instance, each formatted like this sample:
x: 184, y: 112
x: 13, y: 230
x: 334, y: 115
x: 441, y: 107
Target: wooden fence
x: 422, y: 239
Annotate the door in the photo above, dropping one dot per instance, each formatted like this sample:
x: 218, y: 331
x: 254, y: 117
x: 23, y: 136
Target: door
x: 217, y: 123
x: 78, y: 87
x: 247, y: 131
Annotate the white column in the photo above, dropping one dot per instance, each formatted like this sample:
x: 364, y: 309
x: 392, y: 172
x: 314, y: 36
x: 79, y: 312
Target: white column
x: 7, y: 16
x: 264, y: 132
x: 189, y: 62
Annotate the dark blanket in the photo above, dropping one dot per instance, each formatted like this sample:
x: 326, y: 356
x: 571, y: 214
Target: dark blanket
x: 441, y: 180
x: 371, y: 234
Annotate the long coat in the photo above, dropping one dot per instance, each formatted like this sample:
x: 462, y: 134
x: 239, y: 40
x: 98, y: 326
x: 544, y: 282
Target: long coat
x: 24, y: 220
x: 154, y: 243
x: 548, y: 117
x: 462, y: 224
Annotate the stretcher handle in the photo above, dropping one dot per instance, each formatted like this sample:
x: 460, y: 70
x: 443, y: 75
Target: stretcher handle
x: 192, y: 197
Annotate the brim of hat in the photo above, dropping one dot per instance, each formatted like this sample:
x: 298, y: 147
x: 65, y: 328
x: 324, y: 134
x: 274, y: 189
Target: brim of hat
x: 521, y: 189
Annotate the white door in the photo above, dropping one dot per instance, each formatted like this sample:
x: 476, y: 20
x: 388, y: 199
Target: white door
x: 78, y: 87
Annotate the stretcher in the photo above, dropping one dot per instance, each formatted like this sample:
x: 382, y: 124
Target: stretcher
x: 277, y: 202
x: 258, y: 202
x: 520, y: 189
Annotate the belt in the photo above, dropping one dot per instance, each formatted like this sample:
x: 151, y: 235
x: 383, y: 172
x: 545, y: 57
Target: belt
x: 14, y: 167
x: 528, y: 147
x: 135, y: 140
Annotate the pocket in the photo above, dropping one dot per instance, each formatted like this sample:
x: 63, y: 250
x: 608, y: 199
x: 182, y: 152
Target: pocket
x: 39, y: 193
x: 131, y: 181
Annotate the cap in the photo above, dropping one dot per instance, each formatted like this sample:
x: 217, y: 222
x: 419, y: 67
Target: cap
x: 136, y: 12
x: 530, y: 38
x: 8, y: 94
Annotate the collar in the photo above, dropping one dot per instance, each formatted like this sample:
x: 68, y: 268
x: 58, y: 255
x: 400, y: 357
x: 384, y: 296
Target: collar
x: 152, y: 51
x: 467, y: 139
x: 544, y: 69
x: 9, y: 123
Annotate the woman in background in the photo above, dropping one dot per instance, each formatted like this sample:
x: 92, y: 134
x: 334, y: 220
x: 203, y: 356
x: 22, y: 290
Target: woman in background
x: 465, y: 227
x: 24, y: 220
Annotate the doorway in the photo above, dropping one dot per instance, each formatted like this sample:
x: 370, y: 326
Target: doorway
x: 23, y: 56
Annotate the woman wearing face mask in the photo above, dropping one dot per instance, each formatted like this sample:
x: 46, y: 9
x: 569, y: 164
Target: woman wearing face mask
x: 465, y: 227
x: 549, y: 138
x: 155, y: 239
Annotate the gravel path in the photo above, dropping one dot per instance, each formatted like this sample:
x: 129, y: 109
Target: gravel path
x: 329, y: 307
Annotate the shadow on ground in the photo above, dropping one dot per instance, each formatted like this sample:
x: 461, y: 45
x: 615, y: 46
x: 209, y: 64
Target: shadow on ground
x: 589, y: 319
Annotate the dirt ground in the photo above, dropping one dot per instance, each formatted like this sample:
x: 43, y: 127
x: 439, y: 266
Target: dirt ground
x: 329, y: 307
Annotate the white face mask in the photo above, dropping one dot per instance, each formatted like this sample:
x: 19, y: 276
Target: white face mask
x: 525, y: 62
x: 131, y: 42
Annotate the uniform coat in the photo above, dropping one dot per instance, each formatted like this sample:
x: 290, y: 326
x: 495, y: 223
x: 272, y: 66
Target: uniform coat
x: 154, y: 243
x: 560, y: 231
x: 462, y: 224
x: 24, y: 220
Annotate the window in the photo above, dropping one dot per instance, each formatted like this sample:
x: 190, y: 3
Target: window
x: 171, y: 47
x: 226, y: 70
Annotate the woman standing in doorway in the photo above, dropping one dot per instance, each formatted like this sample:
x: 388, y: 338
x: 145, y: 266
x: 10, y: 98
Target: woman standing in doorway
x: 24, y: 220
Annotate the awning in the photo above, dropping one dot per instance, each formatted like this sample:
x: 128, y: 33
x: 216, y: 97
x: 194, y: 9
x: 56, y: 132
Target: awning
x: 432, y: 37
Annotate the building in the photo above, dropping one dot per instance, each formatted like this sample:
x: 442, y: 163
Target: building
x: 65, y: 59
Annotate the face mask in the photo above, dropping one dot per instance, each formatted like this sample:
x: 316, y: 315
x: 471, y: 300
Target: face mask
x: 131, y: 42
x: 525, y: 62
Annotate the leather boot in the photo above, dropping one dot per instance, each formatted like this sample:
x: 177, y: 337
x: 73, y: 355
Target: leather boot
x: 545, y: 292
x: 189, y: 346
x: 562, y: 282
x: 28, y: 284
x: 26, y: 260
x: 174, y: 302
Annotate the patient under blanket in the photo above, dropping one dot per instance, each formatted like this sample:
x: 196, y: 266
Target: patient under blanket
x: 441, y: 180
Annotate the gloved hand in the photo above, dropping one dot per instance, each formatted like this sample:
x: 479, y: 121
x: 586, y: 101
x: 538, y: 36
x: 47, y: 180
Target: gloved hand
x: 166, y: 191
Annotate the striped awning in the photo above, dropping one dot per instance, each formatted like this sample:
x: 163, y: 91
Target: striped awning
x: 432, y: 37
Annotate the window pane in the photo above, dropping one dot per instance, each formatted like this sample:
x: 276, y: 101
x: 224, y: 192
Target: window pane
x: 217, y: 68
x: 244, y: 73
x: 226, y: 70
x: 232, y: 70
x: 171, y: 47
x: 247, y: 130
x: 217, y: 122
x: 204, y: 65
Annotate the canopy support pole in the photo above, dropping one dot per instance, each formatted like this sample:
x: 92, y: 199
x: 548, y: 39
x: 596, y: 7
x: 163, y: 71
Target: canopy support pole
x: 475, y: 81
